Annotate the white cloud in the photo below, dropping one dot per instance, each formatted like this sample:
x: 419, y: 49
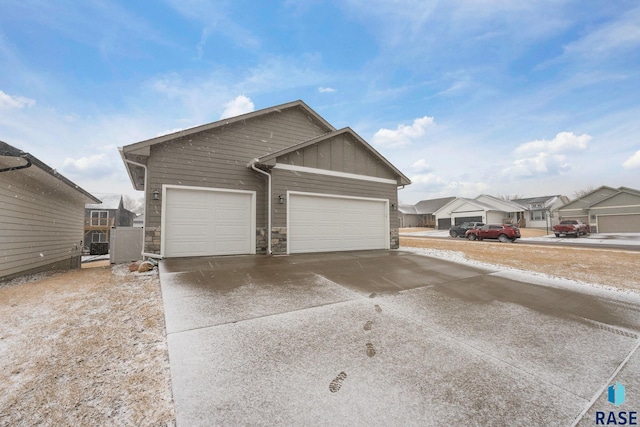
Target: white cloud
x: 547, y: 157
x: 9, y: 102
x: 421, y: 166
x: 326, y: 90
x: 239, y: 105
x: 633, y: 162
x: 96, y: 165
x: 403, y: 135
x: 564, y: 142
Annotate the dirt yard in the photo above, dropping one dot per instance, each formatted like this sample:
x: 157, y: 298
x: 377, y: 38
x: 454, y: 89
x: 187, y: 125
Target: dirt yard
x: 86, y: 347
x: 607, y: 267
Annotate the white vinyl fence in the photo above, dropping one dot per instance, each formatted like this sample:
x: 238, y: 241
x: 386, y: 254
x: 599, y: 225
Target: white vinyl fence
x: 125, y: 244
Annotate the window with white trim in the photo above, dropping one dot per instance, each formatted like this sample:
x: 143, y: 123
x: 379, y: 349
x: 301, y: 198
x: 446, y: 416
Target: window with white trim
x: 99, y: 237
x: 99, y: 218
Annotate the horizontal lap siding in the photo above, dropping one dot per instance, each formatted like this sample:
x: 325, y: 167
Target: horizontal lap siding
x: 284, y: 180
x: 39, y: 226
x: 218, y: 158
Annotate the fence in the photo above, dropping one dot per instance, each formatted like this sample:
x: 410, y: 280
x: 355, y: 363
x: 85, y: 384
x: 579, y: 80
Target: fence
x: 125, y: 244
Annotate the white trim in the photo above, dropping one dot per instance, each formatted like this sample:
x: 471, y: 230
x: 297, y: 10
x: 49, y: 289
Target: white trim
x: 306, y: 169
x: 615, y: 207
x: 163, y: 217
x: 387, y: 226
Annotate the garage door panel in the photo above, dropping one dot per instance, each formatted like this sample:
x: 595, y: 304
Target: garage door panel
x: 322, y: 224
x: 207, y: 222
x: 619, y: 224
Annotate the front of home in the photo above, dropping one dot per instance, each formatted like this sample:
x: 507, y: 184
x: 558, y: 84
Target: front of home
x: 280, y: 180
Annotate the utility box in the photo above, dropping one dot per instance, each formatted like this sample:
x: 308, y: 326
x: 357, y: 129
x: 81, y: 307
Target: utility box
x: 98, y: 248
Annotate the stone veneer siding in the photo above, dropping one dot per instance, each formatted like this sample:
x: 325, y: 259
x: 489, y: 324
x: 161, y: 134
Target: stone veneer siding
x: 152, y: 240
x: 279, y: 240
x: 395, y: 238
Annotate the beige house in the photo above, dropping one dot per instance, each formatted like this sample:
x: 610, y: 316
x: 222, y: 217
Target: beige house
x: 41, y: 216
x: 279, y: 181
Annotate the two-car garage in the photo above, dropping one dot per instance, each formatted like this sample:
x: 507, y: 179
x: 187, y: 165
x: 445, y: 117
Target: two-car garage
x: 207, y: 221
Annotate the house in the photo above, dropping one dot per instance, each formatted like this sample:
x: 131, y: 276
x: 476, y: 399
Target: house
x: 280, y: 180
x: 41, y: 216
x: 100, y: 218
x: 606, y: 210
x: 542, y: 210
x: 422, y: 214
x: 484, y: 208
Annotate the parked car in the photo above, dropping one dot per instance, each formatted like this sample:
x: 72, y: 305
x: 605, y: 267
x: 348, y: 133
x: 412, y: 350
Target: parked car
x: 571, y: 227
x: 502, y: 232
x: 460, y: 230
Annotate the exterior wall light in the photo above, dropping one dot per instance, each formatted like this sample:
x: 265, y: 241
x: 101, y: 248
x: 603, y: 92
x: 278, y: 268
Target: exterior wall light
x: 281, y: 199
x: 394, y: 207
x: 156, y: 195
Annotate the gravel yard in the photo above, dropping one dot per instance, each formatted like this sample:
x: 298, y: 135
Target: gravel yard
x: 88, y: 347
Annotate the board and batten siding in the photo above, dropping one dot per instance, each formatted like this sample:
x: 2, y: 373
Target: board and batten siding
x: 218, y: 158
x: 342, y: 153
x: 41, y: 228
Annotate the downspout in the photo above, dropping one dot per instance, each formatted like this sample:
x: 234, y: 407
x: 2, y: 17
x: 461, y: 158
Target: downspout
x: 144, y: 224
x: 252, y: 163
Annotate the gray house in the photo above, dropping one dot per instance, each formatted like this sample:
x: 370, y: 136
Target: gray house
x: 422, y: 214
x: 280, y: 180
x: 41, y: 216
x: 101, y: 218
x: 606, y: 210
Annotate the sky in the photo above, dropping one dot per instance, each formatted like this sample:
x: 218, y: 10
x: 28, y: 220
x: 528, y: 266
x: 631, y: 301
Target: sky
x: 501, y: 97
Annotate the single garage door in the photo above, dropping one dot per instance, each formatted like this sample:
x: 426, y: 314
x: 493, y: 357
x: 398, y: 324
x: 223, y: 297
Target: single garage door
x: 319, y: 223
x: 619, y: 224
x: 204, y: 222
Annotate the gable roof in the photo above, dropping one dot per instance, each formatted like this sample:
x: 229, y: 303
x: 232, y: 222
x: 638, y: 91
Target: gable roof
x: 12, y: 160
x: 590, y: 198
x: 533, y: 200
x: 141, y: 148
x: 407, y: 209
x: 269, y: 159
x: 109, y: 201
x: 623, y: 190
x: 431, y: 205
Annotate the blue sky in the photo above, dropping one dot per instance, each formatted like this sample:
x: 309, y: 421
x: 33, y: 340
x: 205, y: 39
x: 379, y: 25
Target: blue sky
x: 502, y: 97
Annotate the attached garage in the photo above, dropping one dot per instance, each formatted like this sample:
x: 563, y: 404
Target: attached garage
x: 619, y: 223
x: 207, y: 221
x: 327, y: 223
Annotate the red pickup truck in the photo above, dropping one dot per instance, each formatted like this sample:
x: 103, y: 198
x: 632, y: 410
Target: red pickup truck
x: 571, y: 227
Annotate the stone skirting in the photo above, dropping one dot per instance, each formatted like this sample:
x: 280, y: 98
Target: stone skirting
x: 279, y: 240
x: 152, y: 240
x: 394, y: 242
x: 261, y: 240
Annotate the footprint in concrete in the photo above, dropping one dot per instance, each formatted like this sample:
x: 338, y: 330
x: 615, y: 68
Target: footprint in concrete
x: 378, y: 309
x: 368, y: 325
x: 370, y: 350
x: 335, y: 385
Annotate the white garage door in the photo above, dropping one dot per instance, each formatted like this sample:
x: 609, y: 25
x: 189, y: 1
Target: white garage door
x: 322, y: 224
x: 203, y: 222
x: 619, y: 224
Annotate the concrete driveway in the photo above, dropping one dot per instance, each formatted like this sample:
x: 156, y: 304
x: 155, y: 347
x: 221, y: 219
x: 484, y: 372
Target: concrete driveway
x: 389, y: 338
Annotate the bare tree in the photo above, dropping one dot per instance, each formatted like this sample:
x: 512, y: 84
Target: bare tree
x: 579, y: 193
x: 134, y: 205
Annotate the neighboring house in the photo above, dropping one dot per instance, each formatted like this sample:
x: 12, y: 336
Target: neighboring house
x: 100, y: 218
x: 461, y: 210
x: 41, y: 216
x: 606, y: 210
x: 542, y: 210
x: 138, y: 221
x: 422, y: 214
x: 279, y: 180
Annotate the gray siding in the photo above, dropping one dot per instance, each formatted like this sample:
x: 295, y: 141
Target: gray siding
x: 630, y: 202
x: 284, y: 180
x: 218, y: 158
x: 342, y: 153
x: 41, y: 226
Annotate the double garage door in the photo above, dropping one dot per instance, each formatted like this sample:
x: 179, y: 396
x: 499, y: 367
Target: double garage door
x: 618, y: 223
x: 322, y: 223
x: 206, y: 222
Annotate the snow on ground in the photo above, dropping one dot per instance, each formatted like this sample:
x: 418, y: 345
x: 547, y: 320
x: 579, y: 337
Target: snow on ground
x: 533, y: 277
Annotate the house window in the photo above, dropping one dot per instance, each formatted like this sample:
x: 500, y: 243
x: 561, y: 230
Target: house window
x: 538, y: 215
x: 99, y: 237
x: 99, y: 218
